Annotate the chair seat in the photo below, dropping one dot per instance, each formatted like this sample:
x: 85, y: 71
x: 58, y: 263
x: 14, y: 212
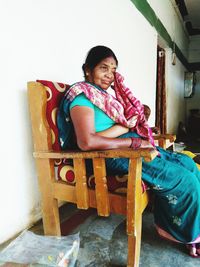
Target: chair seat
x: 116, y: 183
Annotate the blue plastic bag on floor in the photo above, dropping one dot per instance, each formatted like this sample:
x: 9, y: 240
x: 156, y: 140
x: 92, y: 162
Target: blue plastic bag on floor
x: 29, y: 248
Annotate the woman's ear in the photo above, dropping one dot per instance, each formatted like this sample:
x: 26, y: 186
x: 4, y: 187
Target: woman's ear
x: 88, y: 74
x: 86, y: 71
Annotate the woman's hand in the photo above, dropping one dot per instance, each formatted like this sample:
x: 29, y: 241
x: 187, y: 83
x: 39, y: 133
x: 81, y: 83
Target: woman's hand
x: 114, y: 131
x: 132, y: 121
x: 146, y: 144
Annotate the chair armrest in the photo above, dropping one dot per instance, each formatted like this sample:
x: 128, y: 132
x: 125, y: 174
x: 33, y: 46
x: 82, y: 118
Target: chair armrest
x: 164, y: 139
x: 147, y: 153
x: 170, y: 137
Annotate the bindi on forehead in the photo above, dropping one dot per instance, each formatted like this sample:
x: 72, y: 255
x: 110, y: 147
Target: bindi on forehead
x: 109, y: 63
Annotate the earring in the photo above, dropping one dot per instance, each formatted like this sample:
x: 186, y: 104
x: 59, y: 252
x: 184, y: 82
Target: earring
x: 87, y: 73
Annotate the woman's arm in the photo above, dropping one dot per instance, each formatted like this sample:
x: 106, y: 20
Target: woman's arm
x: 87, y: 138
x: 114, y: 131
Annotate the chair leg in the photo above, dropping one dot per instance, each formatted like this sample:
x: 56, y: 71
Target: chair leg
x: 134, y: 211
x: 50, y: 210
x: 134, y: 244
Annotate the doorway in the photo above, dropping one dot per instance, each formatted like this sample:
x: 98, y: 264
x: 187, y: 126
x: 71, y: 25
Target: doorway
x: 161, y: 112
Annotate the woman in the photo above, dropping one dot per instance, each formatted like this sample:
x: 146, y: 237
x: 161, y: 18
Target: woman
x: 101, y: 121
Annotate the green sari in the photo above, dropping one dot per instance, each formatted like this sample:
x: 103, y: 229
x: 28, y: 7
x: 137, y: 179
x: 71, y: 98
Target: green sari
x: 175, y: 181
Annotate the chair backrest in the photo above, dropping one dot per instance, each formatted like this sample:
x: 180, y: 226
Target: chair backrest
x: 55, y: 92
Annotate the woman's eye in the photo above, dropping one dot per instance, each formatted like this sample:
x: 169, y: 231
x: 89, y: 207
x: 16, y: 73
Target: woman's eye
x: 104, y: 68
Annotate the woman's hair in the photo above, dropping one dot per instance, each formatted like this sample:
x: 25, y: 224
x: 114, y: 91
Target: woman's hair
x: 96, y: 55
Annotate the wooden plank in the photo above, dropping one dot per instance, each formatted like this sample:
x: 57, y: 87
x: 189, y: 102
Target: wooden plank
x: 132, y: 257
x: 134, y: 211
x: 81, y: 184
x: 147, y: 153
x: 37, y: 105
x: 164, y: 140
x: 66, y: 192
x: 145, y: 200
x: 162, y: 143
x: 49, y: 203
x: 45, y: 167
x: 134, y: 193
x: 101, y: 189
x: 170, y: 137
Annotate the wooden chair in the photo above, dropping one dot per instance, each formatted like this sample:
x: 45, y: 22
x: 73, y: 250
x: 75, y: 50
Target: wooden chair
x: 52, y: 190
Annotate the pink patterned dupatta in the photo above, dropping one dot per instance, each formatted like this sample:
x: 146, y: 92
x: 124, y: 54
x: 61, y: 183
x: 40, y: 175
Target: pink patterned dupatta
x: 125, y: 109
x: 132, y: 106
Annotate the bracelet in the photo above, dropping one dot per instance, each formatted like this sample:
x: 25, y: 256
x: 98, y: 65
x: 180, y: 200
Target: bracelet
x: 135, y: 142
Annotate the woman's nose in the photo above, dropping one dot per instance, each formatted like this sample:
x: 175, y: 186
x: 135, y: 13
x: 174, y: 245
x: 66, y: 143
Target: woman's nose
x: 109, y: 74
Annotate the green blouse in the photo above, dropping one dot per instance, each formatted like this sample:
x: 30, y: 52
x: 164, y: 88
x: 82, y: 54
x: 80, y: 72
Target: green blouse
x: 101, y: 120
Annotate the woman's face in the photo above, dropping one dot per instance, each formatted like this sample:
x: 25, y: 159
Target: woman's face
x: 103, y: 74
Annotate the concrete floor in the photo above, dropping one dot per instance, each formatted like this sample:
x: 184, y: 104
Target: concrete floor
x: 104, y: 243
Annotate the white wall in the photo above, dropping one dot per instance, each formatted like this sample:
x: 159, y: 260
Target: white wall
x: 194, y: 56
x: 167, y: 12
x: 175, y: 93
x: 48, y: 40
